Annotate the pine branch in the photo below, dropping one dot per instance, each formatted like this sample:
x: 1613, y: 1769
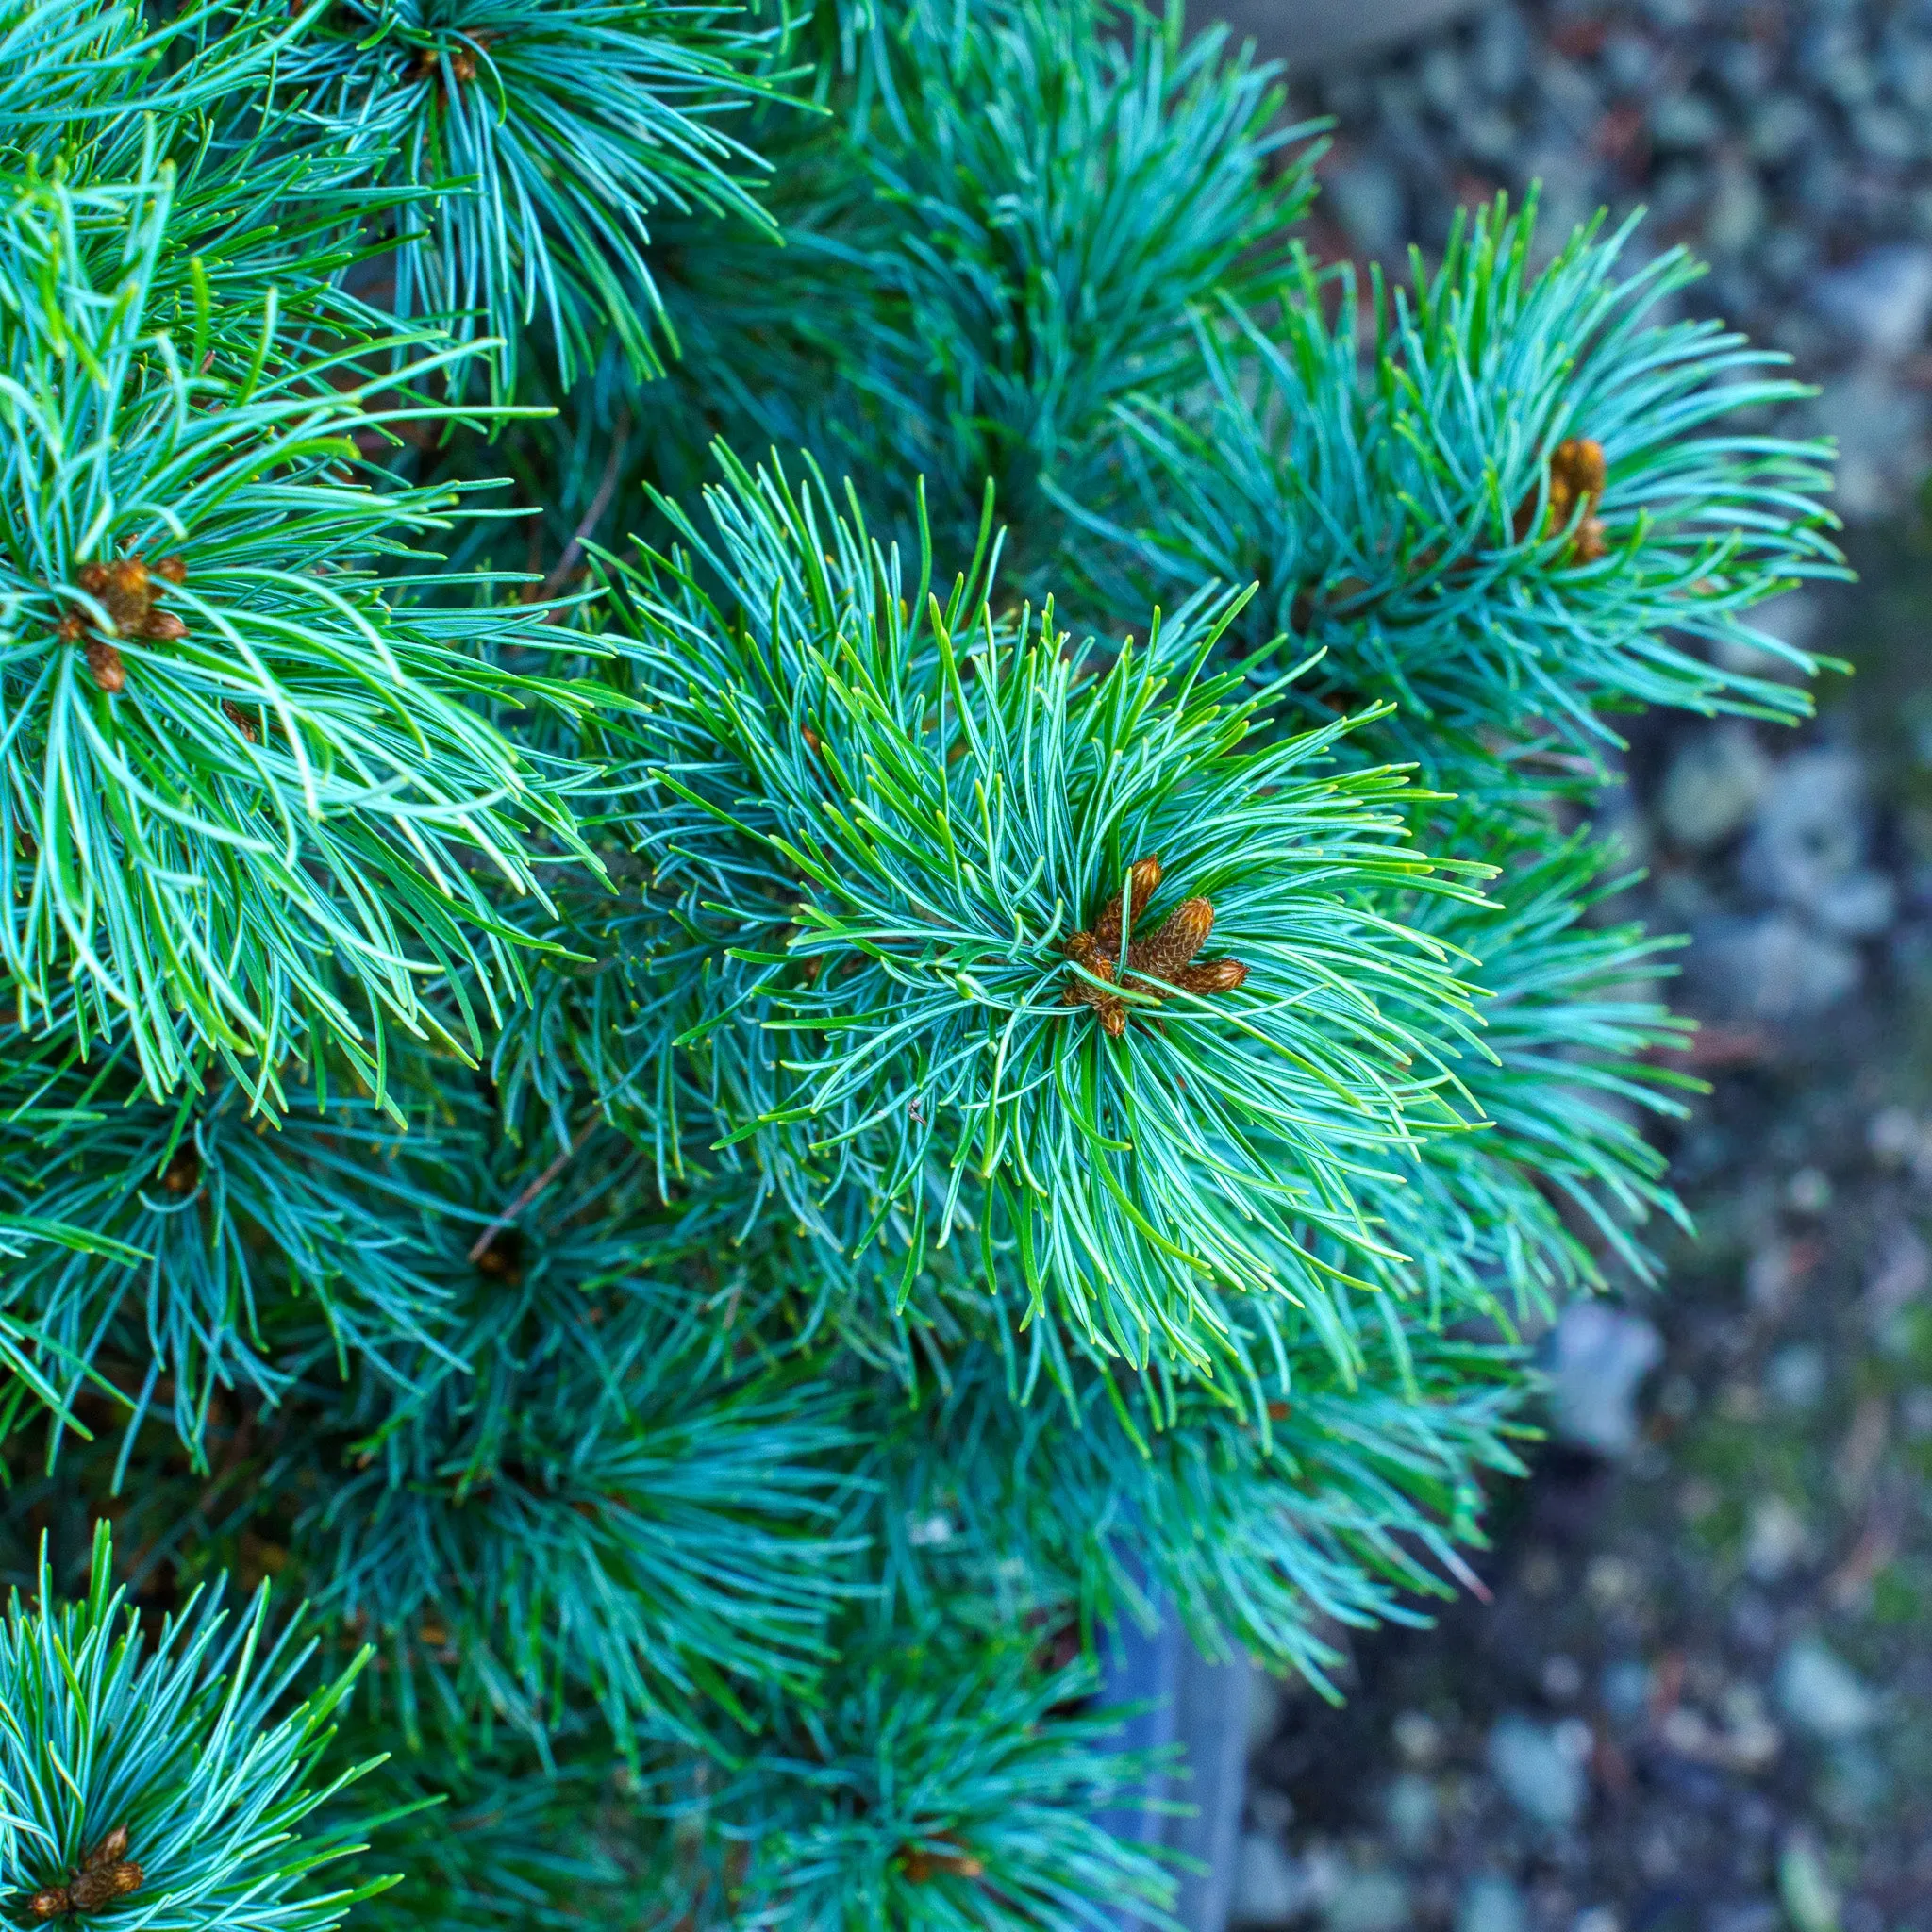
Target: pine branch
x: 176, y: 1773
x: 548, y: 135
x: 247, y: 764
x: 1412, y: 514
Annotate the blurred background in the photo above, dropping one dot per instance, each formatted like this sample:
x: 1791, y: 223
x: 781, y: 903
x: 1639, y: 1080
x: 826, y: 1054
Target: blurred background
x: 1699, y: 1697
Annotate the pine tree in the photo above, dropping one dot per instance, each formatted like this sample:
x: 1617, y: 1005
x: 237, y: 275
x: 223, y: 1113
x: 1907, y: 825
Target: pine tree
x: 797, y: 892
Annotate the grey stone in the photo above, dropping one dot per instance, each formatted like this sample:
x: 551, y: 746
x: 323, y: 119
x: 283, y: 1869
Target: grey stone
x: 1886, y: 133
x: 1270, y: 1889
x: 1880, y: 431
x: 1775, y: 967
x: 1412, y: 1812
x: 1808, y: 846
x: 1537, y: 1771
x: 1908, y: 71
x: 1745, y: 1915
x: 1597, y: 1355
x: 1324, y: 34
x: 1777, y: 1541
x: 1786, y: 255
x: 1780, y: 126
x: 1500, y: 59
x: 1685, y: 121
x: 1882, y: 300
x: 1493, y: 1902
x: 1626, y: 1688
x: 1849, y: 78
x: 1824, y: 183
x: 1736, y: 208
x: 1822, y: 1695
x: 1490, y: 135
x: 1680, y: 190
x: 1746, y: 67
x: 1570, y: 95
x: 1672, y: 14
x: 1795, y: 1376
x: 1368, y: 1902
x: 1899, y: 1272
x: 1442, y: 81
x: 1630, y: 61
x: 1856, y: 1783
x: 1714, y: 786
x: 1368, y: 200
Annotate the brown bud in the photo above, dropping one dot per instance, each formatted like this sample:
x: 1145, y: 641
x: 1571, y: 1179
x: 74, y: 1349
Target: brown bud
x: 1579, y: 462
x: 923, y: 1866
x: 163, y: 626
x: 241, y: 721
x: 101, y: 1885
x: 111, y: 1848
x: 103, y: 661
x: 52, y: 1904
x: 173, y: 568
x: 1164, y: 954
x: 1212, y: 976
x: 1143, y: 876
x: 127, y: 594
x: 181, y: 1177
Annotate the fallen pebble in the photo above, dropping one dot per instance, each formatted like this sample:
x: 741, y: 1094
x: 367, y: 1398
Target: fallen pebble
x: 1412, y: 1812
x: 1773, y: 966
x: 1493, y: 1902
x: 1822, y: 1695
x: 1417, y: 1738
x: 1881, y: 301
x: 1598, y: 1356
x: 1808, y: 1895
x: 1540, y: 1771
x: 1368, y: 1902
x: 1795, y: 1376
x: 1808, y: 842
x: 1778, y: 1540
x: 1713, y: 787
x: 1270, y: 1889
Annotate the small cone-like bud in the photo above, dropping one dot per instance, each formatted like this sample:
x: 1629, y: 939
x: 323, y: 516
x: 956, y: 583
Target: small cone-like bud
x: 101, y: 1885
x: 1167, y: 950
x: 1155, y: 966
x: 1214, y: 975
x: 103, y: 661
x: 1143, y: 876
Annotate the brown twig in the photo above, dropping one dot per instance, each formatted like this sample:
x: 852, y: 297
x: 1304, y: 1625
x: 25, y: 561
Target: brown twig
x: 607, y: 489
x: 494, y: 1228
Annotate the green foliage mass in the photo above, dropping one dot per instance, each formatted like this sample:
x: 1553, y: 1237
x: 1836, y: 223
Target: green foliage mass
x: 796, y: 893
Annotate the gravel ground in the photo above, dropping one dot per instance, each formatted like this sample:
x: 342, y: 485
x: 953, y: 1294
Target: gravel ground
x: 1700, y: 1698
x: 1790, y: 145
